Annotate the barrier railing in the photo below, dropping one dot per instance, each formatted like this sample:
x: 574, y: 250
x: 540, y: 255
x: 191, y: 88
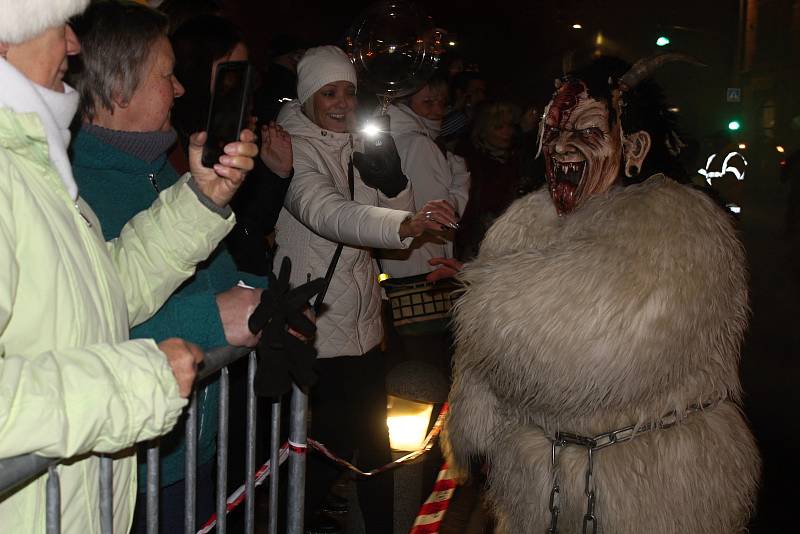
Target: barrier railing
x: 20, y: 469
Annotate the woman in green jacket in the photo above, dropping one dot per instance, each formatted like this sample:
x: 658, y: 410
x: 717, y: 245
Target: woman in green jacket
x: 71, y: 383
x: 127, y: 88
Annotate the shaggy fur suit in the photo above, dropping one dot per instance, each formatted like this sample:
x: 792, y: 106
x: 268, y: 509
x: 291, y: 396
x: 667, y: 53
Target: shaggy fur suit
x: 630, y: 307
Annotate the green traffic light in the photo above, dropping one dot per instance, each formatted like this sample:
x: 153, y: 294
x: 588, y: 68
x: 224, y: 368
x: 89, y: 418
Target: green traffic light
x: 734, y: 125
x: 662, y: 41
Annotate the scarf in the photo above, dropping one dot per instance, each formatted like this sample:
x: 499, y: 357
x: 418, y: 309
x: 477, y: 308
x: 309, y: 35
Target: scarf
x: 431, y: 127
x: 498, y: 154
x: 55, y: 110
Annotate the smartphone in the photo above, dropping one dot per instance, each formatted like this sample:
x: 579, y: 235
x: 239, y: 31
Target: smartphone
x: 227, y: 114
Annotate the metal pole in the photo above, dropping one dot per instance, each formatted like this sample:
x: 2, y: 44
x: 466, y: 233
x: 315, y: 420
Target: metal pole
x: 106, y: 495
x: 152, y: 486
x: 297, y: 462
x: 17, y: 470
x: 222, y: 452
x: 275, y: 466
x: 250, y: 461
x: 190, y: 481
x: 53, y: 501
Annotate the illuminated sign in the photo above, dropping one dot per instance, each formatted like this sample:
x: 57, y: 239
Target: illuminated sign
x: 725, y: 169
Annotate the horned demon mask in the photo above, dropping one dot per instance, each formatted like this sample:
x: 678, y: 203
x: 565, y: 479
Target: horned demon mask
x: 585, y: 147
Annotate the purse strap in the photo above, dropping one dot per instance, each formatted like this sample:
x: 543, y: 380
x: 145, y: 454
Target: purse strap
x: 335, y: 259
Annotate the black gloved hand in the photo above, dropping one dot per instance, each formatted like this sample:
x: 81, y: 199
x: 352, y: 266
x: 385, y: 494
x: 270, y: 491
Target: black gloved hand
x: 379, y: 164
x: 280, y: 353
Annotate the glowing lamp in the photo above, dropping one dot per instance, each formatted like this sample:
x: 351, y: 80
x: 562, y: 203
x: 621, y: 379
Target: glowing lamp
x: 734, y: 125
x: 383, y: 277
x: 577, y: 26
x: 408, y: 423
x: 742, y: 146
x: 780, y: 149
x: 452, y: 43
x: 662, y: 41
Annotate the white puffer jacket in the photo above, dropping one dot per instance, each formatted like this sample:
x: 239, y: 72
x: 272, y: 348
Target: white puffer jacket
x: 435, y: 175
x: 318, y: 214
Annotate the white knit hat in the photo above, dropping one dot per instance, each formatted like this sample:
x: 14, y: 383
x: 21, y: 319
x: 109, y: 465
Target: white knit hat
x: 21, y: 20
x: 320, y: 66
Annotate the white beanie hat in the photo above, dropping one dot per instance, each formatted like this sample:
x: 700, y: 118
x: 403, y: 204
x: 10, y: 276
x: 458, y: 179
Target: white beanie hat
x: 320, y: 66
x: 21, y: 20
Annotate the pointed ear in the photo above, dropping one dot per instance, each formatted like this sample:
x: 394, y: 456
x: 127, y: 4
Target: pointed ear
x: 635, y: 149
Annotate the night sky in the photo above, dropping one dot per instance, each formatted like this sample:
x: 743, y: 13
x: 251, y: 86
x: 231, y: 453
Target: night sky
x: 520, y: 45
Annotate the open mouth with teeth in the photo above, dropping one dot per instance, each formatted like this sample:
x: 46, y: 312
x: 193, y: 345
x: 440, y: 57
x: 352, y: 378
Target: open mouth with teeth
x: 565, y: 179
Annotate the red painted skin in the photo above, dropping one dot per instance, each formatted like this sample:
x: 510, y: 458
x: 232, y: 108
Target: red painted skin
x: 564, y: 102
x: 582, y: 149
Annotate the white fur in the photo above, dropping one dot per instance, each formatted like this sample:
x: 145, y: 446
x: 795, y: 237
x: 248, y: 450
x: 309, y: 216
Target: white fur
x: 630, y: 307
x: 21, y: 20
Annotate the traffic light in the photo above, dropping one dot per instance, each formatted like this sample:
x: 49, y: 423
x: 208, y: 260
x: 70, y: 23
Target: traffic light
x: 734, y: 125
x: 663, y: 40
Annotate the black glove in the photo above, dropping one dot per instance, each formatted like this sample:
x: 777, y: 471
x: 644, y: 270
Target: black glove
x: 379, y: 165
x: 281, y: 355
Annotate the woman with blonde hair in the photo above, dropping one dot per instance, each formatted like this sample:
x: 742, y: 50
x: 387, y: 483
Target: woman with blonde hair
x: 346, y: 198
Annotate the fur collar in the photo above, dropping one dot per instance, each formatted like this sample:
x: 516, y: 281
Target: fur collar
x: 25, y: 19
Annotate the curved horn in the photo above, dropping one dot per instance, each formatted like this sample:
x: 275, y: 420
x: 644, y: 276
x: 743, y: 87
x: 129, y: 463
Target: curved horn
x: 645, y: 67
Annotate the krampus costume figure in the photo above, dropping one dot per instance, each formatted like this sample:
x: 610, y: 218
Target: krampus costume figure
x: 598, y: 343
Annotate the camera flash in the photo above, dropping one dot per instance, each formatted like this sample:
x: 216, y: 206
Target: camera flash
x: 370, y: 129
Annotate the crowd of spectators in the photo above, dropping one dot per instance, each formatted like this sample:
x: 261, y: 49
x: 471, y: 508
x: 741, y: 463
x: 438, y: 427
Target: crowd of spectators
x: 118, y: 274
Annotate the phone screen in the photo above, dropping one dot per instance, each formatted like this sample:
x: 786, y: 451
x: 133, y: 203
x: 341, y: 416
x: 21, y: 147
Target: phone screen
x: 228, y: 110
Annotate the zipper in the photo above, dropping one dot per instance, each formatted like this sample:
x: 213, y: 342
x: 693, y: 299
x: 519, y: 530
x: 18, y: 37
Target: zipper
x: 84, y: 217
x: 154, y: 182
x: 153, y: 177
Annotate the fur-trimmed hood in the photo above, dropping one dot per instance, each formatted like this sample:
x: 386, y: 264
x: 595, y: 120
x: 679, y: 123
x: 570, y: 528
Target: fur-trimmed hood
x: 632, y: 306
x: 23, y: 19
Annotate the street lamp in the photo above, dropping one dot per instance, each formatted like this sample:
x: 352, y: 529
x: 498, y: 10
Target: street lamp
x: 413, y: 387
x: 408, y: 423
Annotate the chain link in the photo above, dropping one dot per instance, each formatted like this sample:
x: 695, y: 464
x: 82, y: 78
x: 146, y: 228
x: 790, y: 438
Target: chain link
x: 555, y: 492
x: 594, y: 444
x: 589, y: 518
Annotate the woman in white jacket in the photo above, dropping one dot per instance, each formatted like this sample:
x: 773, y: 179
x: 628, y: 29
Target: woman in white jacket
x: 434, y: 172
x: 348, y: 403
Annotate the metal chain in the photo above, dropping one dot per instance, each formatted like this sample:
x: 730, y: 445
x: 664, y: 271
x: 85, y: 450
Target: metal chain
x: 555, y: 492
x: 589, y: 519
x: 594, y: 444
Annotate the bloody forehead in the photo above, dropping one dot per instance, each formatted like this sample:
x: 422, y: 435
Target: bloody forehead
x: 564, y: 102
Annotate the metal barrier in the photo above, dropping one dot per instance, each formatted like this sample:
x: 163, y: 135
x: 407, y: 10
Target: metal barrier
x: 20, y: 469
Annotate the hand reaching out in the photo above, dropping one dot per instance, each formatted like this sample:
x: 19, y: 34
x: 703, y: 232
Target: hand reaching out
x: 448, y: 268
x: 276, y: 149
x: 435, y: 215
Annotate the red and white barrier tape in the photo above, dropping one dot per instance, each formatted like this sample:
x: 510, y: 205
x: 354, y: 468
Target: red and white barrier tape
x: 237, y: 497
x: 427, y: 445
x: 430, y: 516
